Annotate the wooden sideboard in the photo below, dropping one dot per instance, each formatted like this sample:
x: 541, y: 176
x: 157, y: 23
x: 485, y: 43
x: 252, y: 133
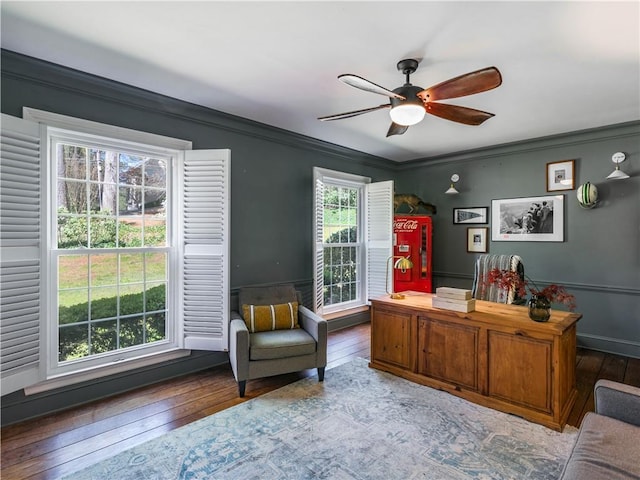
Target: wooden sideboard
x: 495, y: 356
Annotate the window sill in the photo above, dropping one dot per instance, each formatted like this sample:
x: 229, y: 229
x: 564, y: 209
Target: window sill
x: 103, y: 371
x: 345, y: 313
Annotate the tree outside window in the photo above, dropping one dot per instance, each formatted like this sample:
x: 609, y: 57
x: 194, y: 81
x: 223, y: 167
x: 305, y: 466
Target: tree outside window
x: 111, y: 232
x: 341, y: 244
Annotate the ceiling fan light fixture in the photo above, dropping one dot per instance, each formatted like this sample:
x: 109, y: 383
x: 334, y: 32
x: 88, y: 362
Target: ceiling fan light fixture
x: 407, y: 114
x: 409, y: 104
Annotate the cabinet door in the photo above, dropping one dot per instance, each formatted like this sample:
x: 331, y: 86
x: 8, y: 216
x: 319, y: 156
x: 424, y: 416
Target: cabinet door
x: 520, y: 369
x: 391, y: 337
x: 448, y: 351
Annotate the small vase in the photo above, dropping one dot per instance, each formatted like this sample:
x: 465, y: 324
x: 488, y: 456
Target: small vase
x: 539, y: 308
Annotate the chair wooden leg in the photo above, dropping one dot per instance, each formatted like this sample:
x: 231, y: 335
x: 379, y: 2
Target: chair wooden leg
x: 320, y: 374
x: 241, y: 387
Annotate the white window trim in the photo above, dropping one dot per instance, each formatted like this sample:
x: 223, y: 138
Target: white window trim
x: 67, y: 379
x: 334, y: 177
x: 188, y: 337
x: 376, y: 230
x: 73, y: 124
x: 327, y: 175
x: 87, y: 134
x: 69, y: 127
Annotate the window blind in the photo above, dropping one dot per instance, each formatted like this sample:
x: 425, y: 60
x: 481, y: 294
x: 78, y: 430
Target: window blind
x: 20, y: 260
x: 379, y: 233
x: 205, y: 242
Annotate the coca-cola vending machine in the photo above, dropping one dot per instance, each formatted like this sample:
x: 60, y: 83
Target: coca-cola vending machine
x: 412, y: 238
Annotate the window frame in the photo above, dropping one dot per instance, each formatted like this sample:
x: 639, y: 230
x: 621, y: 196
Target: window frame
x: 55, y: 367
x: 376, y: 228
x: 202, y: 238
x: 347, y: 181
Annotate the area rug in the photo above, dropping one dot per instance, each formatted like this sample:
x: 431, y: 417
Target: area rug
x: 359, y: 423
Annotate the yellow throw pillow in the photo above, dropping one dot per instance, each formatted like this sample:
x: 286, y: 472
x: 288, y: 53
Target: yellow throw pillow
x: 262, y: 318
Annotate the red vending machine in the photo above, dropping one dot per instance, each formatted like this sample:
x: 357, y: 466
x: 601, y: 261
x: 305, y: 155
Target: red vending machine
x: 412, y: 238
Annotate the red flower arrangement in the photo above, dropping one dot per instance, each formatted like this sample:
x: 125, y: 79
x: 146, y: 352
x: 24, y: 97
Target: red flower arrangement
x: 508, y: 279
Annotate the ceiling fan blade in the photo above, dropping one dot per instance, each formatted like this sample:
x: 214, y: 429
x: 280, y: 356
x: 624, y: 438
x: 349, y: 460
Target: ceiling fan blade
x: 354, y: 113
x: 467, y: 84
x: 367, y: 86
x: 456, y: 113
x: 396, y: 129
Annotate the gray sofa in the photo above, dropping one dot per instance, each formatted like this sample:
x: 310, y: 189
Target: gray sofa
x: 608, y: 444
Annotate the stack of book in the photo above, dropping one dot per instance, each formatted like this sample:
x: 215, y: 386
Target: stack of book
x: 456, y: 299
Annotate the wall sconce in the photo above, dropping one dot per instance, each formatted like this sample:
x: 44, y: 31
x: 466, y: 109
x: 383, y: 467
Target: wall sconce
x: 618, y: 174
x: 403, y: 264
x: 452, y: 190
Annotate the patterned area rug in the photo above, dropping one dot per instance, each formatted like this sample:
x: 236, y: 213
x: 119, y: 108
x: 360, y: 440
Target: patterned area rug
x: 359, y: 424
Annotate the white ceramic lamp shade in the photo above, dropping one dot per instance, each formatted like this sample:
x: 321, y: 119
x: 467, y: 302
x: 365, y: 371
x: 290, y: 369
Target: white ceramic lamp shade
x: 618, y: 174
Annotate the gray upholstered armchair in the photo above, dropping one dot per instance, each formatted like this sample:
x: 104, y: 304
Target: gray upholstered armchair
x: 276, y: 351
x: 608, y: 444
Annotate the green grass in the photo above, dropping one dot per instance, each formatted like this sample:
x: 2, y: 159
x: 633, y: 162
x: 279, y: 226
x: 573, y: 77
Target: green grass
x: 73, y: 275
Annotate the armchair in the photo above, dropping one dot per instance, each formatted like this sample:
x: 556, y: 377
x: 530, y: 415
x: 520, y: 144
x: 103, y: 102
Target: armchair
x: 608, y: 443
x: 257, y: 354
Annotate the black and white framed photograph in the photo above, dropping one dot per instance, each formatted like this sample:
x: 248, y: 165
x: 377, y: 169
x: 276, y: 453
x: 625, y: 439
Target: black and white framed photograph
x: 477, y: 239
x: 469, y: 215
x: 560, y: 175
x: 528, y: 219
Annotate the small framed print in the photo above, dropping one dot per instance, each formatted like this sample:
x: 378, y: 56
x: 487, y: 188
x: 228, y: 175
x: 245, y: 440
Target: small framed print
x: 477, y: 239
x: 471, y: 215
x: 560, y: 175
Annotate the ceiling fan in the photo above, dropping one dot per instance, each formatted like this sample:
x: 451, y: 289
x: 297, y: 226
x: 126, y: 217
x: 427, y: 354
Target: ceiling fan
x: 410, y: 103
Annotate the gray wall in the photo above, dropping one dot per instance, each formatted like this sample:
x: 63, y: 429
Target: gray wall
x: 271, y: 192
x: 599, y: 261
x: 271, y: 198
x: 271, y: 169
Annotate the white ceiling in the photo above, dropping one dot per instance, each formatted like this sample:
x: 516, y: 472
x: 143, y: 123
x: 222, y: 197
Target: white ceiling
x: 566, y: 66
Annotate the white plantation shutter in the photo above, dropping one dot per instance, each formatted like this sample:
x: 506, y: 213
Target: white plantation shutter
x: 204, y: 298
x: 318, y: 250
x: 379, y: 235
x: 20, y: 258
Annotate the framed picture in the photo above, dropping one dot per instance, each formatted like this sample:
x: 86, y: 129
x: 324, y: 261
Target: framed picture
x: 477, y: 239
x: 471, y: 215
x: 560, y: 175
x: 528, y: 219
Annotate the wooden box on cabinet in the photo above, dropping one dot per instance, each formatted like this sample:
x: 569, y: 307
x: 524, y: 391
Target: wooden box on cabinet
x: 495, y: 356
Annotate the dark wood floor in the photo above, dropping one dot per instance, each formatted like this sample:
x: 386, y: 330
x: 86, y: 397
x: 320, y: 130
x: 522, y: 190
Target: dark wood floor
x: 64, y: 442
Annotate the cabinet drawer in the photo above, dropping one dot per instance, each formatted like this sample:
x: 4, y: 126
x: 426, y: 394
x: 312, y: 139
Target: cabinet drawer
x: 519, y: 369
x: 448, y: 351
x: 391, y: 338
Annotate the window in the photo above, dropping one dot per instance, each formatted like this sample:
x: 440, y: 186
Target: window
x: 352, y: 231
x: 111, y: 255
x: 116, y: 249
x: 342, y: 245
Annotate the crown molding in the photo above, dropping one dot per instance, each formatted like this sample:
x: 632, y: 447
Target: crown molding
x: 29, y: 69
